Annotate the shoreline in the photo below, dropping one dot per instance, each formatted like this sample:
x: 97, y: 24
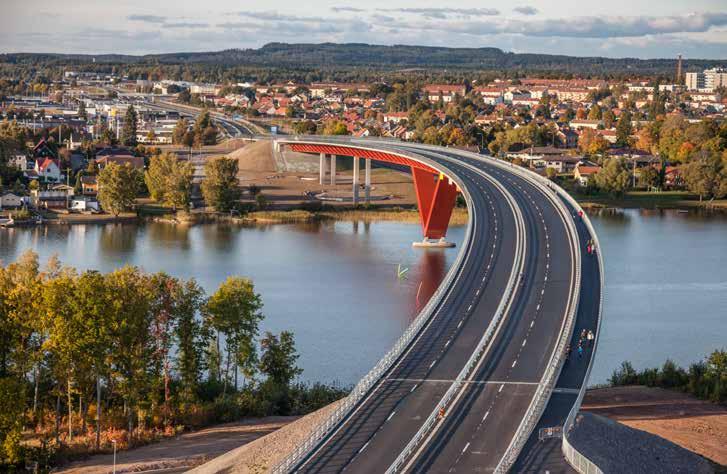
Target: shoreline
x: 299, y: 215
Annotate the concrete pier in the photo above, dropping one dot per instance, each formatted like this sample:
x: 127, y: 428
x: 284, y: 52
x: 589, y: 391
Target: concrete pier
x: 333, y: 170
x: 322, y: 177
x: 367, y: 179
x: 355, y: 179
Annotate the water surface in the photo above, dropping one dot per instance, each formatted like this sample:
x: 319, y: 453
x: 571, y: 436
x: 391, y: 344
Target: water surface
x: 334, y: 284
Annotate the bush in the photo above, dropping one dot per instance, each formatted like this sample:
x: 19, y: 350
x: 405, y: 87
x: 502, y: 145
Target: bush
x: 706, y: 379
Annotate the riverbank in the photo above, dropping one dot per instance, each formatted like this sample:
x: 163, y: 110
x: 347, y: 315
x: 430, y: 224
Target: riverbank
x: 649, y: 200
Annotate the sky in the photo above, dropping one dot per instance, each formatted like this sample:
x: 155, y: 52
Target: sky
x: 614, y: 28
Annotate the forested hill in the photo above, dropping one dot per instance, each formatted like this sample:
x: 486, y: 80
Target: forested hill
x: 328, y: 55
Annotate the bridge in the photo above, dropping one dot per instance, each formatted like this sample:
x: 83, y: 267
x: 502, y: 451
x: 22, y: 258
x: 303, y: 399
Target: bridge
x: 483, y: 379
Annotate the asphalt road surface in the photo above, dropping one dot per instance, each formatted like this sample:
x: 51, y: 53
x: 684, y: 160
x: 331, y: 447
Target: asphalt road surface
x: 475, y: 432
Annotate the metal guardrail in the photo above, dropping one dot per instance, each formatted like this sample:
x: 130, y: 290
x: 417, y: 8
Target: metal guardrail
x: 369, y: 380
x: 456, y: 385
x: 579, y: 462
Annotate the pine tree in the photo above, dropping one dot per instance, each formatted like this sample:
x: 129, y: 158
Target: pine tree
x: 128, y: 132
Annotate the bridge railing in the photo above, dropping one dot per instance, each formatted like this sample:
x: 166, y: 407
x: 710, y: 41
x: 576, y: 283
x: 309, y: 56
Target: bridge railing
x: 579, y: 462
x: 322, y: 430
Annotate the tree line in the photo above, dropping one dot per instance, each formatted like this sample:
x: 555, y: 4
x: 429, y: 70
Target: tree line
x: 87, y: 357
x: 706, y: 379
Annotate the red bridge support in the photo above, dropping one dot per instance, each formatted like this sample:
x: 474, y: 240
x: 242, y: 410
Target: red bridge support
x: 436, y: 197
x: 436, y: 194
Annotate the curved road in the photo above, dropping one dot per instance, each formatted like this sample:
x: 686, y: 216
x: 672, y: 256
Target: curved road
x: 520, y: 239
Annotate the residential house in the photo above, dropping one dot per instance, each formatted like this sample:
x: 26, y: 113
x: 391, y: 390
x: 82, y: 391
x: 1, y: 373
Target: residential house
x: 445, y: 92
x: 584, y: 174
x: 89, y: 185
x: 583, y: 123
x: 48, y: 170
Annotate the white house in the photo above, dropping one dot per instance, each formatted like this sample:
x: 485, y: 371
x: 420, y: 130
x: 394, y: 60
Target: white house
x: 48, y: 169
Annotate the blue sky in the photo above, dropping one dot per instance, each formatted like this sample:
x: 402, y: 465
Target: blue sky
x: 617, y: 28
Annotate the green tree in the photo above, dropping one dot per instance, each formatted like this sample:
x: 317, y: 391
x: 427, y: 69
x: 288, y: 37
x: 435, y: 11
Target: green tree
x: 234, y: 312
x: 335, y: 127
x: 279, y: 358
x: 613, y: 177
x: 707, y: 175
x: 118, y: 186
x: 623, y: 129
x: 220, y: 188
x: 128, y: 132
x: 169, y: 180
x: 190, y: 336
x: 180, y: 130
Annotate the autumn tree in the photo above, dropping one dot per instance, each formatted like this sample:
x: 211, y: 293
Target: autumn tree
x: 169, y: 180
x: 590, y: 142
x: 118, y: 186
x: 220, y: 187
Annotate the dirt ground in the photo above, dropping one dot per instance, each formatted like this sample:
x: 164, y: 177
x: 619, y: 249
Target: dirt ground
x: 182, y: 453
x: 287, y: 189
x: 696, y: 425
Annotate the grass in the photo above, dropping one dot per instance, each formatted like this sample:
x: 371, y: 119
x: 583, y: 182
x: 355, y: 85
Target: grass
x: 649, y: 200
x: 459, y: 215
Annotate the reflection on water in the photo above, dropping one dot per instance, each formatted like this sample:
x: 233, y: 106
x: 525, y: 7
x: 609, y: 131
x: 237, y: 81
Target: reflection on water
x: 666, y: 277
x: 333, y: 283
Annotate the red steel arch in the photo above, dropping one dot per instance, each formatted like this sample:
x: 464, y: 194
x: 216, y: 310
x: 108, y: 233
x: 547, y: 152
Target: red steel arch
x: 436, y: 194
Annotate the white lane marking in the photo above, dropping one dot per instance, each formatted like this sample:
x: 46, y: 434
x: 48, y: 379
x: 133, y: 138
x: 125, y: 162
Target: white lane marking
x: 532, y: 323
x: 364, y: 447
x: 469, y: 308
x: 392, y: 414
x: 501, y: 387
x: 486, y: 414
x: 432, y: 364
x: 465, y: 447
x: 445, y: 345
x: 460, y: 323
x: 412, y: 389
x: 513, y: 364
x: 524, y: 342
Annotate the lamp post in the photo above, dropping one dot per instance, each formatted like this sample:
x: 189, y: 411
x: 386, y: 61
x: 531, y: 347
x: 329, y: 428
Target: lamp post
x: 113, y: 441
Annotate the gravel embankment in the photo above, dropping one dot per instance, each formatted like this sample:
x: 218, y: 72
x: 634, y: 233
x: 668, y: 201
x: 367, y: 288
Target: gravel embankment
x: 260, y: 455
x: 617, y: 448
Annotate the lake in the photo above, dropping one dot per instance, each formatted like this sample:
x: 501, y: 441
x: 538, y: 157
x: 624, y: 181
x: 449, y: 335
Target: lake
x: 335, y: 285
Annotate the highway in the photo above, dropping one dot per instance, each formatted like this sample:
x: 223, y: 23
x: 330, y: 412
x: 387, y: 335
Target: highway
x: 230, y: 127
x: 517, y: 286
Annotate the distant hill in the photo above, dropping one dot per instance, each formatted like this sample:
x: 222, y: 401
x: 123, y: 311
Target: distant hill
x: 328, y: 55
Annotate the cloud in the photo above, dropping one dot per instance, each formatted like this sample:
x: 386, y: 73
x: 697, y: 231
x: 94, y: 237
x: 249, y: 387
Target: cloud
x: 525, y: 10
x: 274, y: 16
x: 147, y: 18
x: 346, y: 9
x: 580, y: 27
x: 441, y: 13
x: 186, y: 25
